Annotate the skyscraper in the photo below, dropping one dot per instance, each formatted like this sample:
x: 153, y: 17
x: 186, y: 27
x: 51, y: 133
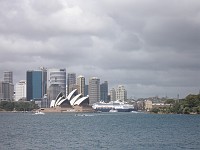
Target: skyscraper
x: 112, y: 94
x: 8, y: 77
x: 86, y: 90
x: 35, y: 84
x: 81, y: 84
x: 71, y: 82
x: 20, y: 90
x: 94, y: 90
x: 56, y: 80
x: 104, y: 91
x: 7, y: 87
x: 121, y: 93
x: 6, y: 91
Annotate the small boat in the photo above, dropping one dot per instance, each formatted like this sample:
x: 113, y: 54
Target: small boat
x: 39, y: 113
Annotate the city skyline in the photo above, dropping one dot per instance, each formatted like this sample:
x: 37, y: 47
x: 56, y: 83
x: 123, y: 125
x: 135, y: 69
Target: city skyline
x: 151, y: 47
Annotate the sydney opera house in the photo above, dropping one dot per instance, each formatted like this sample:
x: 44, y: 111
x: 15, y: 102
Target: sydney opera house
x: 72, y: 103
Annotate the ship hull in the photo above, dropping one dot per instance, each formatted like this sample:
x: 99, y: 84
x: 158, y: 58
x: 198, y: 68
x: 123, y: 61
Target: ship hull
x: 116, y: 105
x: 108, y: 109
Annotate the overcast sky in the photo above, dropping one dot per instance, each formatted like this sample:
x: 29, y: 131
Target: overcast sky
x: 152, y: 47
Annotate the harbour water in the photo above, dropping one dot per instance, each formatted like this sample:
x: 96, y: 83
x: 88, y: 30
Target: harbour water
x: 117, y: 131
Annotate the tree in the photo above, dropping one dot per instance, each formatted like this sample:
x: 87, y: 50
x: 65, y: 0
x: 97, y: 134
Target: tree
x: 170, y: 101
x: 155, y: 110
x: 186, y: 110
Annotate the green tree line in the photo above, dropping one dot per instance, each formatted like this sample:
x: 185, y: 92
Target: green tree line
x: 189, y: 105
x: 18, y: 106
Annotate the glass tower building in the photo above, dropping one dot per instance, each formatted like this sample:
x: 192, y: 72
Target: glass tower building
x: 36, y: 84
x: 104, y: 91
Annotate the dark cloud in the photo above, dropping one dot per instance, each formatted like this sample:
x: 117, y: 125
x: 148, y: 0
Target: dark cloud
x: 151, y: 47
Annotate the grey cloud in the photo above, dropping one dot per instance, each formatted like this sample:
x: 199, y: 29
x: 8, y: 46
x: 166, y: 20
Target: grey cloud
x: 150, y: 46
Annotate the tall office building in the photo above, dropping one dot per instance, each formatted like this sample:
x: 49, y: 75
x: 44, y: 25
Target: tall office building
x: 56, y: 81
x: 81, y: 84
x: 20, y: 90
x: 71, y: 82
x: 112, y: 94
x: 94, y: 90
x: 86, y: 90
x: 36, y: 84
x: 104, y: 91
x: 8, y: 77
x: 7, y: 87
x: 121, y: 93
x: 6, y: 91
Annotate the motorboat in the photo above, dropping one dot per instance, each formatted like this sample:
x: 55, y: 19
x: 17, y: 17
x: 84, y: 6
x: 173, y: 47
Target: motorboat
x: 39, y: 113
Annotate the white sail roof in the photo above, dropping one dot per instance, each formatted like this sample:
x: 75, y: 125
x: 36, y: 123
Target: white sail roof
x: 74, y: 99
x: 78, y: 102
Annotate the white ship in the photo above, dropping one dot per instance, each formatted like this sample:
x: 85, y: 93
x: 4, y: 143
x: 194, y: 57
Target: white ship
x: 113, y: 105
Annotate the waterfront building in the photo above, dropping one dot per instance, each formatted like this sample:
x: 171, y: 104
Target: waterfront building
x: 71, y: 81
x: 104, y: 91
x: 36, y: 84
x: 6, y: 91
x: 20, y: 90
x: 81, y: 85
x: 112, y: 94
x: 148, y: 105
x: 57, y: 78
x: 94, y: 90
x: 121, y: 93
x: 8, y: 77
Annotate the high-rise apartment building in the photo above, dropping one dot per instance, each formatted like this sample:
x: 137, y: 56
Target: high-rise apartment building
x: 36, y: 84
x: 81, y: 84
x: 7, y: 87
x: 121, y: 93
x: 8, y: 77
x: 71, y: 82
x: 6, y: 91
x: 104, y: 91
x: 56, y: 80
x: 20, y: 90
x: 112, y: 94
x: 94, y: 90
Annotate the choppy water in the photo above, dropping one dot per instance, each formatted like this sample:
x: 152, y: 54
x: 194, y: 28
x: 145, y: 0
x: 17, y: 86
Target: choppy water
x: 25, y: 131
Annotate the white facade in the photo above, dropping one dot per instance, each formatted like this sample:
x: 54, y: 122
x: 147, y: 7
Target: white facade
x: 57, y: 77
x: 121, y: 93
x: 94, y: 90
x: 81, y: 84
x: 20, y: 90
